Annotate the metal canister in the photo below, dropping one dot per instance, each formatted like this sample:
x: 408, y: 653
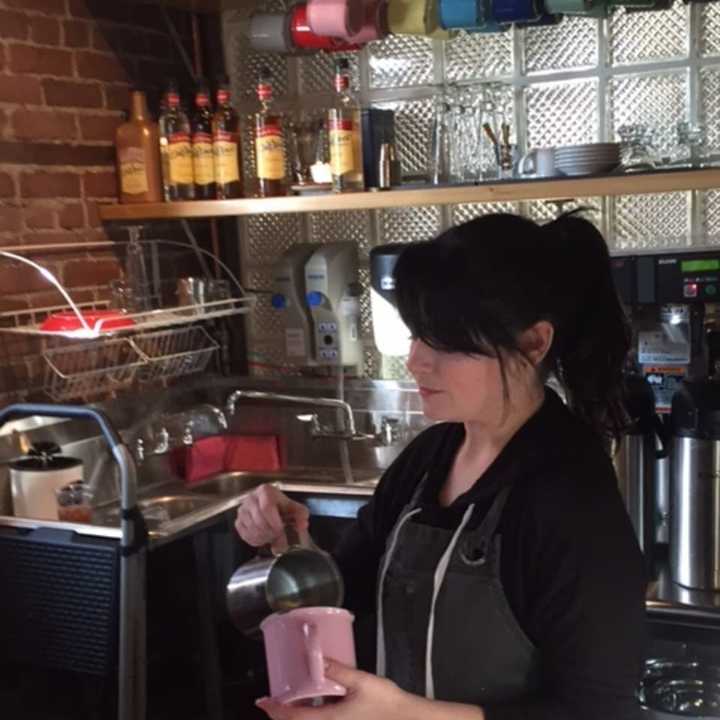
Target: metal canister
x: 695, y: 507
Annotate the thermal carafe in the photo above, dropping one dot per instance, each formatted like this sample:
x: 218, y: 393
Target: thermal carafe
x: 695, y: 507
x: 636, y: 462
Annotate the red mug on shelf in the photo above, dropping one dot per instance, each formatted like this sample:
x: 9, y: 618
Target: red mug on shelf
x: 303, y: 38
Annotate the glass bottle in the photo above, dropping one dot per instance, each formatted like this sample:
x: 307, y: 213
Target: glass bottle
x: 270, y: 154
x: 345, y: 134
x: 138, y: 154
x: 202, y: 145
x: 176, y: 148
x: 227, y: 146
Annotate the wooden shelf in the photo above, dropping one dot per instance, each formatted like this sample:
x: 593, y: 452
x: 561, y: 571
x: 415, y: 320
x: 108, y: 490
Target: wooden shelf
x: 509, y: 191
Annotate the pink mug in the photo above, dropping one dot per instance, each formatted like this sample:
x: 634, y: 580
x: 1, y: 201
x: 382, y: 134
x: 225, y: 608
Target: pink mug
x: 296, y: 645
x: 375, y: 23
x: 335, y: 18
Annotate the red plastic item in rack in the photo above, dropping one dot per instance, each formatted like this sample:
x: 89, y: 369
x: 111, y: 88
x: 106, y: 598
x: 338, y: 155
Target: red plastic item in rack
x: 304, y: 38
x: 104, y: 320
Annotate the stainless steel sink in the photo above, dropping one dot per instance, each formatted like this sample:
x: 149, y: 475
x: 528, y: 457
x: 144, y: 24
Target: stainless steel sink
x: 158, y: 510
x: 237, y: 483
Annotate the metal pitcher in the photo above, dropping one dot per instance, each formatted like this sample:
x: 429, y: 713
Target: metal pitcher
x: 301, y: 576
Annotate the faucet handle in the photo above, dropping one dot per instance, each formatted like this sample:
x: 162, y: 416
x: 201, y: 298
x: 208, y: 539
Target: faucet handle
x: 389, y: 432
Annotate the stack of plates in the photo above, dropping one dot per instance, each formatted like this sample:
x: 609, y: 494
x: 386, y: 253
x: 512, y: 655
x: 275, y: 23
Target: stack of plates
x: 587, y: 159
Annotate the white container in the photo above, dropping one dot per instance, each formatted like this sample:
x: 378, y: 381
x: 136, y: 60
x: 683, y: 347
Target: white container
x: 34, y: 480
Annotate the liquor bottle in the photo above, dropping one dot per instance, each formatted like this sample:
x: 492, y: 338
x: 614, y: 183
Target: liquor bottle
x: 345, y: 134
x: 176, y: 148
x: 270, y: 155
x: 202, y: 146
x: 138, y: 154
x: 226, y: 146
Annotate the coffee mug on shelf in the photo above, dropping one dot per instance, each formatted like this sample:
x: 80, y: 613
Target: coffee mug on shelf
x: 539, y: 162
x: 415, y: 17
x: 335, y: 18
x: 375, y: 23
x: 298, y: 642
x: 303, y: 38
x: 270, y: 32
x: 515, y: 11
x: 461, y: 14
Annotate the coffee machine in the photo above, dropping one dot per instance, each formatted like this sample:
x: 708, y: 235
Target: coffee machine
x: 671, y: 300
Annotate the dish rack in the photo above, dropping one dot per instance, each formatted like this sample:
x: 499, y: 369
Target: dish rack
x: 159, y: 344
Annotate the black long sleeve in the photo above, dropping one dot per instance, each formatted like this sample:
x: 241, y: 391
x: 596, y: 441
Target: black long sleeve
x: 571, y: 568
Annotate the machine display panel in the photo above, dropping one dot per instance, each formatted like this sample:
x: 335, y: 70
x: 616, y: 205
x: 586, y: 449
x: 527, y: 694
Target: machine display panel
x: 692, y: 266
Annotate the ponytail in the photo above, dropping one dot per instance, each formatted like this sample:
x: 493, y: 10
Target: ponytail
x: 592, y: 333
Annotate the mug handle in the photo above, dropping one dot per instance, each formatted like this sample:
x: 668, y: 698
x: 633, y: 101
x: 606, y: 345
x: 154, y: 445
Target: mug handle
x: 316, y: 660
x: 529, y: 158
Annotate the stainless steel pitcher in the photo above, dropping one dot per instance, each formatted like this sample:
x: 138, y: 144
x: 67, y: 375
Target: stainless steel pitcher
x: 302, y: 576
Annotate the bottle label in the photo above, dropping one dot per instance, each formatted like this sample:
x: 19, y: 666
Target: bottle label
x: 270, y: 153
x: 203, y: 159
x: 180, y: 159
x: 202, y: 100
x: 342, y: 83
x: 264, y: 92
x: 342, y: 146
x: 133, y: 172
x: 223, y: 97
x: 225, y: 149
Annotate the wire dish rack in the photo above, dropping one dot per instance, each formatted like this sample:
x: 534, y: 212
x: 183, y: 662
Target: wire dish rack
x: 101, y: 367
x: 89, y: 360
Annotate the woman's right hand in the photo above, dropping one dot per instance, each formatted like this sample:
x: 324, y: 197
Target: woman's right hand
x: 264, y: 513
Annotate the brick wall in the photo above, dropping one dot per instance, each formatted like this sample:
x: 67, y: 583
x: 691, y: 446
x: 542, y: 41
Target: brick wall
x: 65, y: 70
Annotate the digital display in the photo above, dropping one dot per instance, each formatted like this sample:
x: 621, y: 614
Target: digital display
x: 691, y: 266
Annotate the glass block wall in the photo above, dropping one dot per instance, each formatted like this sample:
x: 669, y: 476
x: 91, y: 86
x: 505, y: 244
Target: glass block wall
x: 575, y: 82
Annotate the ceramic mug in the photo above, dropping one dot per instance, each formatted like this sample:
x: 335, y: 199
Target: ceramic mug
x: 460, y: 14
x: 296, y: 646
x: 335, y: 18
x: 270, y: 32
x: 542, y: 161
x: 303, y: 38
x: 375, y: 23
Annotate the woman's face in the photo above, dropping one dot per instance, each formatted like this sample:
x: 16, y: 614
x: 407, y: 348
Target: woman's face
x: 457, y: 387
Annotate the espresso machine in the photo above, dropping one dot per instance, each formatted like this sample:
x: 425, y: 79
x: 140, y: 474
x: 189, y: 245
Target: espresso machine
x: 674, y: 498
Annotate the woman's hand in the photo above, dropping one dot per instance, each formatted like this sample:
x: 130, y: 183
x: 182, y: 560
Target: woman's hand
x: 262, y: 517
x: 368, y: 698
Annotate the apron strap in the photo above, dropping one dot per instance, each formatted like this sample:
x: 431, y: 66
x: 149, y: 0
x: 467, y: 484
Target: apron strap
x: 381, y: 664
x: 438, y: 578
x: 474, y: 548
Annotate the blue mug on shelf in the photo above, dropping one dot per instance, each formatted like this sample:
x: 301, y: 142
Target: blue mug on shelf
x: 461, y: 14
x: 515, y: 11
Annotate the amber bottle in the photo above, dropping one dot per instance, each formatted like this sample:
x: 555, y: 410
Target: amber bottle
x: 270, y: 154
x: 226, y: 146
x: 202, y: 146
x: 138, y: 155
x: 176, y: 148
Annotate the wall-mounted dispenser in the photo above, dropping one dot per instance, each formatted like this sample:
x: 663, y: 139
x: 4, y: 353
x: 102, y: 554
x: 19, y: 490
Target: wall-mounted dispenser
x: 333, y: 299
x: 289, y: 299
x: 390, y: 333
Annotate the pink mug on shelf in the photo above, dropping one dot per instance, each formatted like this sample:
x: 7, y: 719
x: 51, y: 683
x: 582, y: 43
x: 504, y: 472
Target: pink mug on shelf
x: 335, y: 18
x: 296, y: 646
x: 375, y: 23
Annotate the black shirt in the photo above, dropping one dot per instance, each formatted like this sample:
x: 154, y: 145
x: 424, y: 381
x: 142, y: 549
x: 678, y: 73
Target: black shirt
x: 570, y: 567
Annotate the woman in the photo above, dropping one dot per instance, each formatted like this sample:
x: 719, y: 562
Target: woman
x: 509, y: 582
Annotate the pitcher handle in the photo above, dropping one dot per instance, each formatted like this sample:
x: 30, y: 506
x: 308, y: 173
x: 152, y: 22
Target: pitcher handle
x: 316, y: 659
x: 528, y: 158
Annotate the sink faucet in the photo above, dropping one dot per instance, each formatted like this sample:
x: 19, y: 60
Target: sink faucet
x: 348, y: 432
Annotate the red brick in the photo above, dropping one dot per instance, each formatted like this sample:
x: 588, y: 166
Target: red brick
x: 93, y: 215
x: 14, y: 25
x: 20, y: 90
x: 43, y: 125
x: 45, y: 31
x: 67, y: 93
x: 98, y: 66
x: 40, y: 217
x: 49, y: 185
x: 40, y: 61
x: 49, y: 238
x: 82, y: 273
x: 72, y: 217
x: 10, y: 219
x: 99, y: 185
x: 113, y: 11
x: 49, y: 7
x: 76, y: 34
x: 9, y: 304
x: 7, y: 186
x: 99, y: 127
x: 17, y: 279
x: 117, y: 97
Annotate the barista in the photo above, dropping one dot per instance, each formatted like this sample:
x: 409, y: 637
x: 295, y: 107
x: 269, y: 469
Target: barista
x: 505, y: 573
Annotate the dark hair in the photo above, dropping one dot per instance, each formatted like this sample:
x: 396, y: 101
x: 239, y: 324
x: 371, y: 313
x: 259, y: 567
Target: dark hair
x: 477, y: 286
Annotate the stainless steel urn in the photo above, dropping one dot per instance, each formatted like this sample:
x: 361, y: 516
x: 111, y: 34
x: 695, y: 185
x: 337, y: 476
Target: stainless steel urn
x: 695, y: 506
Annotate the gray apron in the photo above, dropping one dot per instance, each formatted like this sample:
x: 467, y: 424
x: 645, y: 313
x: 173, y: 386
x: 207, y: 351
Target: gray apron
x: 445, y: 628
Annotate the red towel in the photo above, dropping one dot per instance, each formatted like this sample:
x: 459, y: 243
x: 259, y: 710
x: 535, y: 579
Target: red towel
x: 226, y: 453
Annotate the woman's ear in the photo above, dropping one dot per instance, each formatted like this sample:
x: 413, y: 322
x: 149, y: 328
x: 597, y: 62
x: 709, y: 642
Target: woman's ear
x: 535, y: 341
